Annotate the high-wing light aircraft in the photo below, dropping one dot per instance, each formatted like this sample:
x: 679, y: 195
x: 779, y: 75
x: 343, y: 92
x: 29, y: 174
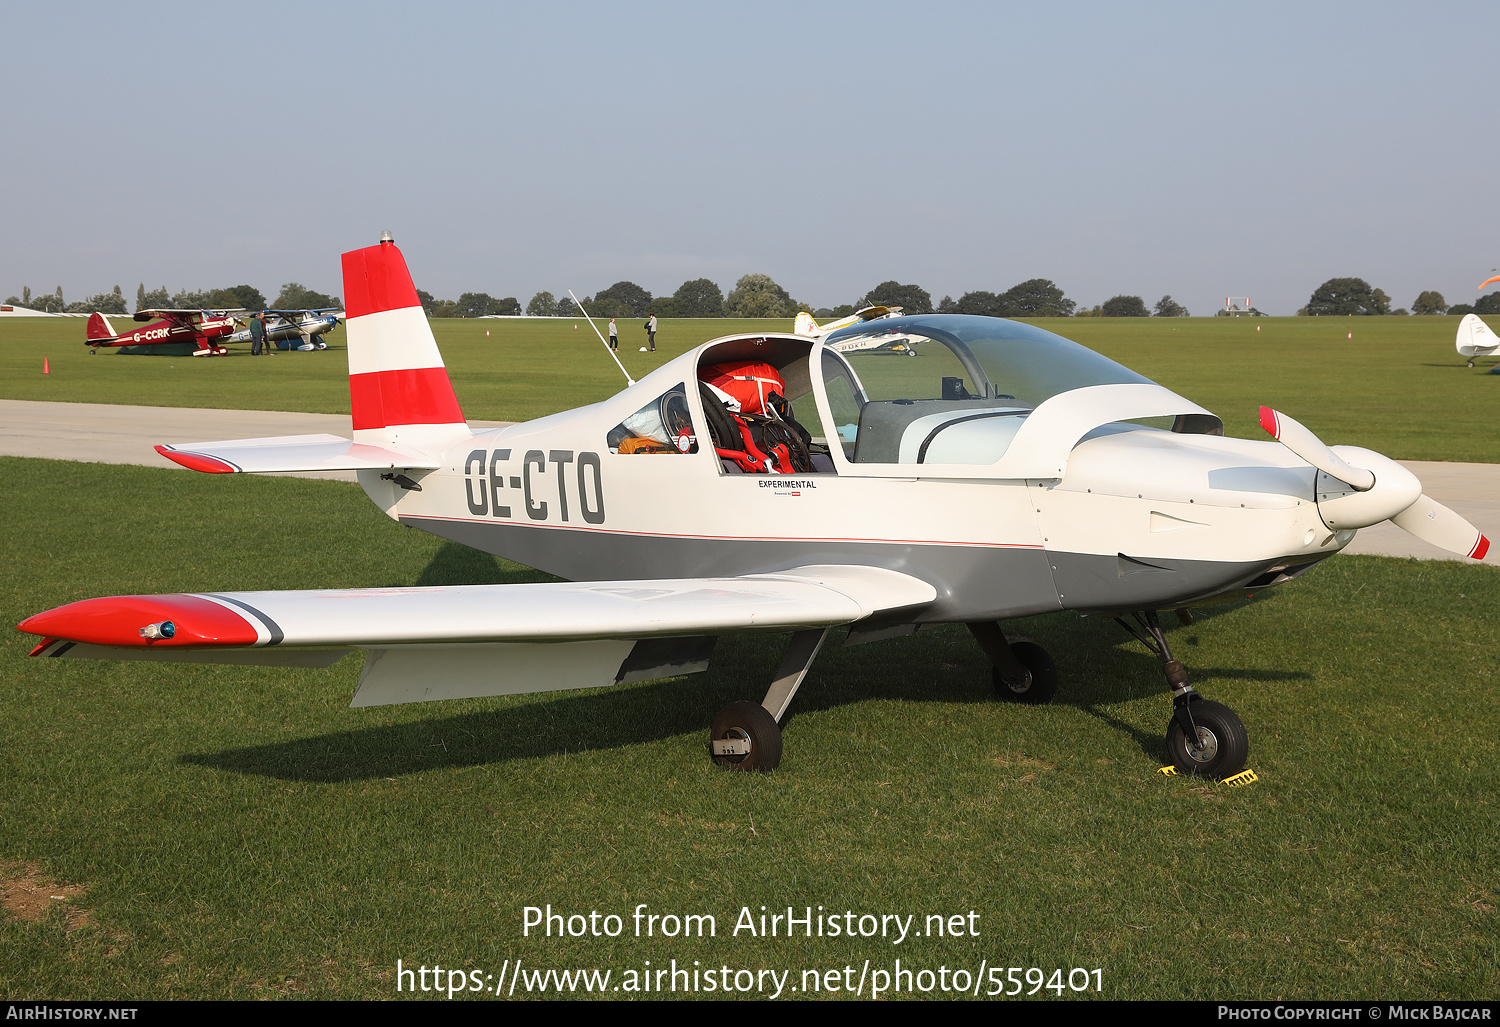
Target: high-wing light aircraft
x: 1022, y: 476
x: 889, y: 342
x: 1475, y: 339
x: 292, y: 325
x: 199, y: 333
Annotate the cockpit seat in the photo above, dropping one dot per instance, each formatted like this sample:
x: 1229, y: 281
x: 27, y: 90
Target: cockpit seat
x: 958, y: 431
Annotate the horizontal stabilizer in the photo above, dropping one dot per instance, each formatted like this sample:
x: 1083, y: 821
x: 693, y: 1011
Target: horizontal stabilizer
x: 291, y: 453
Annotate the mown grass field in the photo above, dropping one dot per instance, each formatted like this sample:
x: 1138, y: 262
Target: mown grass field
x: 243, y: 833
x: 1397, y: 387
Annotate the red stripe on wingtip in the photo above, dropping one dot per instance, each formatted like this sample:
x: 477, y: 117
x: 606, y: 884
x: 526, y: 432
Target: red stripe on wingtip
x: 376, y: 279
x: 44, y: 644
x: 196, y: 462
x: 421, y: 395
x: 117, y: 620
x: 1480, y: 548
x: 1268, y: 422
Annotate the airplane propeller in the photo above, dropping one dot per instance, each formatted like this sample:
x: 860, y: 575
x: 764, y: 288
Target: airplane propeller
x: 1355, y: 496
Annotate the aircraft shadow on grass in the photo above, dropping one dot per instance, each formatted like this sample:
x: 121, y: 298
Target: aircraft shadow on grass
x: 902, y: 670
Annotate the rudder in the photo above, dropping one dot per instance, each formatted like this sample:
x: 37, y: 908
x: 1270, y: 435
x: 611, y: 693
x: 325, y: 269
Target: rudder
x: 98, y: 329
x: 399, y: 389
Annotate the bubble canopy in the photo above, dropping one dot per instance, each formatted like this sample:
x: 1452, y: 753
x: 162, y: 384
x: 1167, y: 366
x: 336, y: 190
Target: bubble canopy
x: 1000, y: 358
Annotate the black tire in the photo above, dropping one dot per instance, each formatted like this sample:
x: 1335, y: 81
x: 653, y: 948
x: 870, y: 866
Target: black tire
x: 1224, y: 744
x: 750, y: 721
x: 1043, y: 684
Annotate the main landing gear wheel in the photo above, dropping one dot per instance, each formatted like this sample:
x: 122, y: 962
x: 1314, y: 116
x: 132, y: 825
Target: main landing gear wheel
x: 745, y: 737
x: 1221, y: 748
x: 1043, y: 684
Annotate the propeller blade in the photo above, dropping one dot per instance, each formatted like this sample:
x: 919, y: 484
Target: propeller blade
x: 1433, y: 522
x: 1309, y: 447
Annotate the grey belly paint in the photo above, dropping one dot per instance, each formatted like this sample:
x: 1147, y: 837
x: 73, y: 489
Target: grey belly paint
x: 974, y: 583
x: 1113, y: 583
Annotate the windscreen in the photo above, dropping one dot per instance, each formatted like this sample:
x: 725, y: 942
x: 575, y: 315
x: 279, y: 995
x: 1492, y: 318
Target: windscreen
x: 948, y: 389
x: 918, y: 357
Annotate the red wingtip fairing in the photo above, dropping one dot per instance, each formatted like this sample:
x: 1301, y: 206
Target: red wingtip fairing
x: 118, y: 620
x: 195, y: 462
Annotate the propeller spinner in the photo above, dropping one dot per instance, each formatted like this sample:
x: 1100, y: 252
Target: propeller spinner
x: 1373, y: 488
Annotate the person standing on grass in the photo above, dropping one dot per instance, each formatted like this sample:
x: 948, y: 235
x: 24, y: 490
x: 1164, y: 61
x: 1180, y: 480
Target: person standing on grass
x: 651, y: 330
x: 614, y: 335
x: 257, y: 335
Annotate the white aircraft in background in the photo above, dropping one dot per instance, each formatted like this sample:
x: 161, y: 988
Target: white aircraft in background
x: 292, y: 325
x: 1475, y: 339
x: 892, y: 342
x: 838, y: 488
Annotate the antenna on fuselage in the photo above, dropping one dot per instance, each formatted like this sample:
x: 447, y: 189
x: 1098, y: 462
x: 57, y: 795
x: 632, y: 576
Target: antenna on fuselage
x: 628, y: 380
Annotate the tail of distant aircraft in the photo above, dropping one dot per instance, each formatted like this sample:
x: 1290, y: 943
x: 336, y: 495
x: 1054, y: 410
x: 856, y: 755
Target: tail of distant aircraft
x: 399, y: 391
x: 1475, y: 338
x: 805, y: 325
x: 99, y: 329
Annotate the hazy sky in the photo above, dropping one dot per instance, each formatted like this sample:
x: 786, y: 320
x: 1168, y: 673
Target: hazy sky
x: 1195, y: 149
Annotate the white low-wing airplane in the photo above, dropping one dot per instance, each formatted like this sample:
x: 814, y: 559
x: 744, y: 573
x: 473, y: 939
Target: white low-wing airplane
x: 1475, y: 339
x: 1005, y: 474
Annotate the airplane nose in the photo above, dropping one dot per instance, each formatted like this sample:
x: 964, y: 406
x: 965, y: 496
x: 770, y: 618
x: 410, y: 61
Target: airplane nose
x: 1369, y: 488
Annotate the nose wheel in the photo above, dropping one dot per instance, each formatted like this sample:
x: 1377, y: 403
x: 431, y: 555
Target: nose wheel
x: 1204, y: 738
x: 1220, y: 748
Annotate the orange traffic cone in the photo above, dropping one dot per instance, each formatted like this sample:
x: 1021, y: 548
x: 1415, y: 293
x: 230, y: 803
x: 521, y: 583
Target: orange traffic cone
x: 486, y: 333
x: 1351, y: 335
x: 1257, y: 328
x: 46, y: 368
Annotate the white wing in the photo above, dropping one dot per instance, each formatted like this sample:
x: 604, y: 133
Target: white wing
x: 470, y: 640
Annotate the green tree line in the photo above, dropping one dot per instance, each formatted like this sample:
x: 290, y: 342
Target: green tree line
x: 1350, y: 297
x: 754, y: 295
x: 293, y: 296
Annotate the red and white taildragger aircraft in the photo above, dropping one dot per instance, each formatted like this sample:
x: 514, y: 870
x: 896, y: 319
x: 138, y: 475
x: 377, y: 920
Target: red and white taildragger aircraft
x: 776, y: 482
x: 198, y: 333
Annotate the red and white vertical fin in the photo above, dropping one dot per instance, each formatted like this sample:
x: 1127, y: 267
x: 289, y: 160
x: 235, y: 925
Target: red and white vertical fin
x: 399, y: 392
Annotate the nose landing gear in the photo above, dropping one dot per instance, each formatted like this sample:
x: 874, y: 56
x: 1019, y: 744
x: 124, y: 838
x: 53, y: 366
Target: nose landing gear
x: 1204, y: 738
